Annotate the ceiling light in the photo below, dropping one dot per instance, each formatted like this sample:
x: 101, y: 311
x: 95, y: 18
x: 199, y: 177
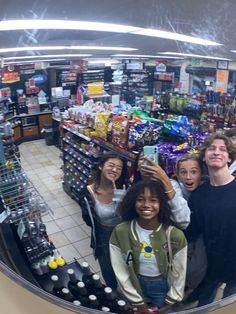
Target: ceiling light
x: 175, y: 36
x: 144, y: 56
x: 40, y: 48
x: 48, y: 56
x: 62, y: 24
x: 96, y: 26
x: 106, y: 61
x: 193, y: 55
x: 33, y: 61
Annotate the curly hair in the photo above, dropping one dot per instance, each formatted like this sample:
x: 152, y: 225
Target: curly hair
x: 216, y: 136
x: 96, y: 177
x: 127, y: 208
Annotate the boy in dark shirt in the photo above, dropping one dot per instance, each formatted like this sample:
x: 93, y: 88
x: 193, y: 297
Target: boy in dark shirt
x: 214, y: 215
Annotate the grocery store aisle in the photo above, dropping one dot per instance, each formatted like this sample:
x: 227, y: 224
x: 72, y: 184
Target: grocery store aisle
x: 65, y: 225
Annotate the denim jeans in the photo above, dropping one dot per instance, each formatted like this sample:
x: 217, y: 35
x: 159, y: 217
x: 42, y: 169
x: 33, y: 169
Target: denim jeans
x: 209, y: 290
x: 155, y: 291
x: 104, y: 261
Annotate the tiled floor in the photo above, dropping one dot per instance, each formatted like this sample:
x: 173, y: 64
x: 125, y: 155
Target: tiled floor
x: 65, y: 225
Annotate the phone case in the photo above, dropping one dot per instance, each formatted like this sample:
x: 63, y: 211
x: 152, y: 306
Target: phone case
x: 151, y: 152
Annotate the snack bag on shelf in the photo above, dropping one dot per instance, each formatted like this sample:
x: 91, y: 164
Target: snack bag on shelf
x: 120, y: 128
x: 101, y: 123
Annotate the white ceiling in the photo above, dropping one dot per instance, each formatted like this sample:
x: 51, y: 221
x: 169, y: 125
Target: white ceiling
x: 210, y: 19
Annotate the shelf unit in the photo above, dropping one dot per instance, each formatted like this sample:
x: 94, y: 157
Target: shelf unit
x: 80, y: 154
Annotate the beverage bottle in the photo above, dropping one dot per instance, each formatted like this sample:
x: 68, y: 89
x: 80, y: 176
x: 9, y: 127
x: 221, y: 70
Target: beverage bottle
x: 57, y: 286
x: 122, y: 307
x: 72, y: 284
x: 66, y: 294
x: 87, y: 276
x: 77, y: 302
x: 105, y: 309
x: 83, y: 294
x: 98, y: 287
x: 94, y: 303
x: 110, y: 299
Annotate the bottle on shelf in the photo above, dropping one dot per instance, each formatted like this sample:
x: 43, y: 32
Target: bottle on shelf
x: 105, y: 309
x: 83, y: 294
x: 98, y: 287
x: 122, y: 307
x: 67, y: 295
x: 110, y: 299
x: 57, y: 286
x: 93, y: 302
x: 72, y: 284
x: 87, y: 276
x: 77, y: 302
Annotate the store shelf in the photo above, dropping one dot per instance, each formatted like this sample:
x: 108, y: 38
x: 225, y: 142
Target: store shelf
x: 77, y: 133
x: 78, y: 159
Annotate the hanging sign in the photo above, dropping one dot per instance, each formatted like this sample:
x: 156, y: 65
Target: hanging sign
x: 79, y: 66
x: 161, y: 67
x: 10, y: 74
x: 221, y: 81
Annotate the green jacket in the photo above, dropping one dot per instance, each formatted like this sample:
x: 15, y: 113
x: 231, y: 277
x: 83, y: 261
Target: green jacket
x: 125, y: 249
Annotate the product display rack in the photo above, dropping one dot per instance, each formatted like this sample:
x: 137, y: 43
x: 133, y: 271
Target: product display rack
x: 93, y: 76
x: 80, y: 154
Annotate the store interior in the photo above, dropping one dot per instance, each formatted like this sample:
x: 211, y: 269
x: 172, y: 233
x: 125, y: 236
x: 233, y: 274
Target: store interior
x: 81, y: 78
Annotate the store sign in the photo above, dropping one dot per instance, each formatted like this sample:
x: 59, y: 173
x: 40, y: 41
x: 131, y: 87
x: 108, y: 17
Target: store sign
x: 40, y: 78
x: 134, y: 66
x: 221, y: 81
x: 196, y: 62
x: 79, y: 66
x: 10, y: 74
x: 163, y: 76
x: 27, y: 68
x: 161, y: 67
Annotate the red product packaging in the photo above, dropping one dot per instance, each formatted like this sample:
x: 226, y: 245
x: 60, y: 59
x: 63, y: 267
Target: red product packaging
x: 120, y: 128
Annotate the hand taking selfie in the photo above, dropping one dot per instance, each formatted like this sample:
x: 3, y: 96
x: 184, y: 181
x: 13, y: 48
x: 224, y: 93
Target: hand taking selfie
x: 154, y: 172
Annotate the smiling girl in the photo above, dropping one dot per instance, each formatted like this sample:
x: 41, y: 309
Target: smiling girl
x: 139, y: 249
x: 99, y: 210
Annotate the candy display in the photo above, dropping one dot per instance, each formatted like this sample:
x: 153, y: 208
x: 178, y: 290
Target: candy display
x: 169, y: 153
x: 141, y: 134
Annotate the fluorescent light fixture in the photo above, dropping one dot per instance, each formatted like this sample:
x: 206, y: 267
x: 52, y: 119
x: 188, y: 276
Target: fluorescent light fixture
x: 10, y: 25
x: 33, y: 61
x: 62, y: 24
x: 194, y: 55
x: 107, y: 62
x: 144, y: 56
x: 175, y: 36
x: 234, y: 51
x: 40, y: 48
x: 48, y: 56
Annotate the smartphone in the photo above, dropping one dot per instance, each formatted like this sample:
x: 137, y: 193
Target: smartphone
x: 151, y: 152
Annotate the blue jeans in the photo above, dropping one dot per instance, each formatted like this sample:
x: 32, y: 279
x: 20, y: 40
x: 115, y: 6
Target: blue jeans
x: 155, y: 291
x: 103, y: 235
x: 209, y: 290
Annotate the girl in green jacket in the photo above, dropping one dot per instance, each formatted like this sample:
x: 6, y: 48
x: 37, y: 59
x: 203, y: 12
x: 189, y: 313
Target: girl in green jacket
x: 148, y: 255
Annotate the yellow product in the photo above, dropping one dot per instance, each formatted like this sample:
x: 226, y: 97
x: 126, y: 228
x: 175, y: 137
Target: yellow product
x: 52, y: 265
x: 60, y: 261
x: 101, y: 123
x: 95, y: 88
